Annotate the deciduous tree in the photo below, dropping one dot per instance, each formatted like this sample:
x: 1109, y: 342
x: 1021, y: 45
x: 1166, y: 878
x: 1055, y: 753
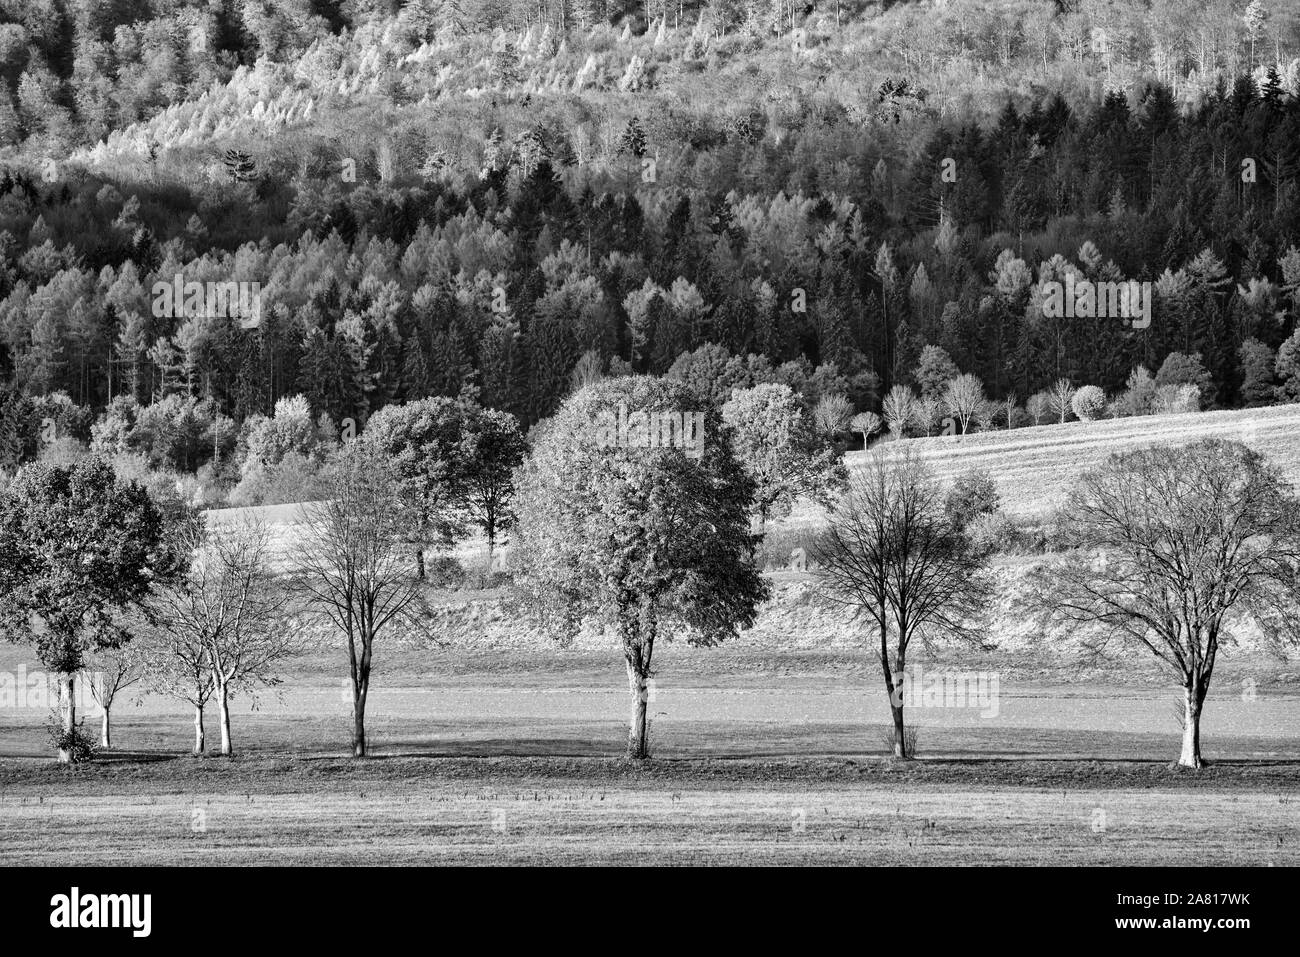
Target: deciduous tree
x: 422, y: 441
x: 229, y: 606
x: 491, y: 448
x: 1175, y: 551
x: 78, y: 548
x: 648, y: 541
x: 349, y: 566
x: 780, y: 449
x: 889, y: 552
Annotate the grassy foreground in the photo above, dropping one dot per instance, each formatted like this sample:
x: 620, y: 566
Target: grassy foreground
x: 295, y: 811
x: 504, y: 756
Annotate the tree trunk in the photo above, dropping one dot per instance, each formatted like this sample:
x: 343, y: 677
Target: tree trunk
x: 66, y: 689
x: 223, y: 712
x: 105, y: 730
x: 893, y: 685
x: 359, y: 719
x: 419, y: 562
x: 1191, y: 756
x: 900, y: 742
x: 638, y: 745
x: 198, y: 729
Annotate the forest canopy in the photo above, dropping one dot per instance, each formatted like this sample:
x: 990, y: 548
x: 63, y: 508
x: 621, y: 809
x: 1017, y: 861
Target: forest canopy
x: 470, y: 200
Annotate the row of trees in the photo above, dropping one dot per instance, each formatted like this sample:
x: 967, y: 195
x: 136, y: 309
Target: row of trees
x: 98, y: 573
x: 212, y: 618
x: 957, y: 405
x: 1170, y: 549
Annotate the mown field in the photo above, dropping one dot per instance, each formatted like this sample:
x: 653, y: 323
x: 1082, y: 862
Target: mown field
x: 516, y: 811
x: 1034, y: 467
x: 760, y: 757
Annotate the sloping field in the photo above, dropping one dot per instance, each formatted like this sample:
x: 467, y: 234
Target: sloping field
x: 1034, y: 467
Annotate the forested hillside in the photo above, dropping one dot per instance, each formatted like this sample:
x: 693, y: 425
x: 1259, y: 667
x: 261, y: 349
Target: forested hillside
x: 491, y: 199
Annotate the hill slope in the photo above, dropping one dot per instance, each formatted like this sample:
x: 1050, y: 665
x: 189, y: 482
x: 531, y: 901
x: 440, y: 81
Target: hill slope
x: 1034, y: 467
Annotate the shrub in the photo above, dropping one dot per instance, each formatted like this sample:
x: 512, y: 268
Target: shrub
x: 993, y: 532
x: 1089, y: 403
x: 80, y: 745
x: 973, y: 494
x: 1172, y: 399
x: 910, y: 737
x: 1181, y: 369
x: 777, y: 546
x: 1039, y: 407
x: 295, y: 478
x: 1139, y: 395
x: 444, y: 571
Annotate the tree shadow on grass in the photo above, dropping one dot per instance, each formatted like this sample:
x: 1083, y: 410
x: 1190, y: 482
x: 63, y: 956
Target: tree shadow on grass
x: 1085, y: 759
x: 136, y: 756
x: 502, y: 748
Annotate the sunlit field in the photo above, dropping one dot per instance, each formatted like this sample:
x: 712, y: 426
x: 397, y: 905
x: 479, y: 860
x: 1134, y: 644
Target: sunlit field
x: 761, y: 756
x: 1035, y: 466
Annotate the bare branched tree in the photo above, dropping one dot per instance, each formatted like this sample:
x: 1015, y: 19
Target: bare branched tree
x: 1009, y: 410
x: 899, y: 409
x: 927, y: 413
x: 176, y: 658
x: 1038, y: 407
x: 867, y: 424
x: 890, y: 553
x: 250, y: 618
x: 225, y: 624
x: 831, y: 415
x: 986, y: 414
x: 350, y: 567
x: 1061, y: 397
x: 586, y: 370
x: 1174, y: 550
x: 112, y: 671
x: 962, y: 398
